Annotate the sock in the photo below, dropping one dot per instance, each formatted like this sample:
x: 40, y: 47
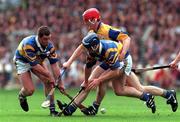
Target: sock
x: 52, y: 107
x: 166, y: 93
x: 96, y: 105
x: 72, y: 107
x: 21, y: 94
x: 144, y: 96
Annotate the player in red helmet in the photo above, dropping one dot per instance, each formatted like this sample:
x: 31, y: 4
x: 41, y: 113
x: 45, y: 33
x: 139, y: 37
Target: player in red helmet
x: 91, y: 14
x: 106, y: 53
x: 92, y: 19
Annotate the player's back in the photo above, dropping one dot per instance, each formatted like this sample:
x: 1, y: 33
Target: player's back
x: 109, y: 44
x: 108, y: 32
x: 109, y: 50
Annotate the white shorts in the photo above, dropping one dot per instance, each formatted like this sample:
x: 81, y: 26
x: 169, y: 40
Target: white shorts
x: 21, y: 67
x: 128, y: 68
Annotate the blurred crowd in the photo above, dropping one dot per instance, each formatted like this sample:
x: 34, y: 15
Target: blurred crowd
x: 152, y: 25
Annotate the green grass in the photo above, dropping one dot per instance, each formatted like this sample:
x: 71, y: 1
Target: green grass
x: 119, y: 109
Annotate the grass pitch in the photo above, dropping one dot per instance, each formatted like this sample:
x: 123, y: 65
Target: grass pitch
x: 118, y: 109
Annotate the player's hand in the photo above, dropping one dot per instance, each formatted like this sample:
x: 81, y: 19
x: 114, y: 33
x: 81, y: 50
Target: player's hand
x: 93, y: 84
x: 84, y: 84
x: 66, y: 64
x: 173, y: 64
x: 61, y: 87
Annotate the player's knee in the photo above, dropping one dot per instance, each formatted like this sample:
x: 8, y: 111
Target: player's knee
x: 118, y: 92
x: 140, y: 88
x: 30, y: 91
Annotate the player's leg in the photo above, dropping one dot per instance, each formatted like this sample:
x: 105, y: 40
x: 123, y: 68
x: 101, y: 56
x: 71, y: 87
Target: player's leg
x: 93, y: 109
x: 101, y: 91
x: 170, y: 95
x: 118, y: 85
x: 102, y: 87
x: 121, y: 90
x: 119, y: 82
x: 95, y: 73
x: 47, y: 88
x: 82, y: 96
x: 26, y: 90
x: 24, y: 76
x: 133, y: 81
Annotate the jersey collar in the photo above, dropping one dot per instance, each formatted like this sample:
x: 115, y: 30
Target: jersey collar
x: 100, y: 48
x: 98, y: 27
x: 38, y: 44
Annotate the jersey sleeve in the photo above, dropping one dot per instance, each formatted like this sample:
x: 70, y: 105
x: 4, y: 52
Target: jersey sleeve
x: 29, y: 54
x: 53, y: 57
x: 117, y: 35
x: 111, y: 33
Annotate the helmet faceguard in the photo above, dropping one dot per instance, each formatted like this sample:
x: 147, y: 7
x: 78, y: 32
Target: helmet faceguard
x: 91, y: 41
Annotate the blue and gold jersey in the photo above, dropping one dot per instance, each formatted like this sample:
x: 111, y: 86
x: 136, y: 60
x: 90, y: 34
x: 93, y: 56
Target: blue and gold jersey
x: 30, y: 51
x: 108, y: 54
x: 108, y: 32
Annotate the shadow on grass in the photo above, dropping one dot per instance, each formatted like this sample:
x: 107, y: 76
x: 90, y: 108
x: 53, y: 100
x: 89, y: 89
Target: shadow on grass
x: 99, y: 116
x: 43, y: 117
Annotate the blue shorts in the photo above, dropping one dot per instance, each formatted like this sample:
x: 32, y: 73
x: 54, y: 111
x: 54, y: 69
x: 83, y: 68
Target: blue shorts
x: 119, y: 65
x: 107, y: 66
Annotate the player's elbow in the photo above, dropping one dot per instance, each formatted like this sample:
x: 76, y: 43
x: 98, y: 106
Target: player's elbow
x: 128, y: 41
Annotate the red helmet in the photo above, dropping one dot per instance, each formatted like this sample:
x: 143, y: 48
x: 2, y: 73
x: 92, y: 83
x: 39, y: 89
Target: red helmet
x: 90, y: 14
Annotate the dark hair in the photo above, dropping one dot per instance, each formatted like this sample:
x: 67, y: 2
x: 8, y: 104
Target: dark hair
x: 43, y: 30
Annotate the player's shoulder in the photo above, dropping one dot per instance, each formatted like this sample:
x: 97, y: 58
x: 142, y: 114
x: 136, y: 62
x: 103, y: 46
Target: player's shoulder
x: 29, y: 40
x: 107, y: 43
x: 105, y: 25
x: 50, y: 45
x: 110, y: 27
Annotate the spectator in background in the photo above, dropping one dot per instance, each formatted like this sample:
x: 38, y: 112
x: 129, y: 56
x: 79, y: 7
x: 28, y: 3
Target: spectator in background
x: 150, y: 75
x: 165, y: 79
x: 161, y: 17
x: 5, y: 67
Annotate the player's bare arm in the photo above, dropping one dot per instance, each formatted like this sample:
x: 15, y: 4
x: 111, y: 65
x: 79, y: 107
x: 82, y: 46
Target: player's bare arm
x: 41, y: 70
x: 126, y: 45
x: 74, y: 56
x: 106, y: 76
x: 173, y: 64
x: 90, y: 62
x: 56, y: 72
